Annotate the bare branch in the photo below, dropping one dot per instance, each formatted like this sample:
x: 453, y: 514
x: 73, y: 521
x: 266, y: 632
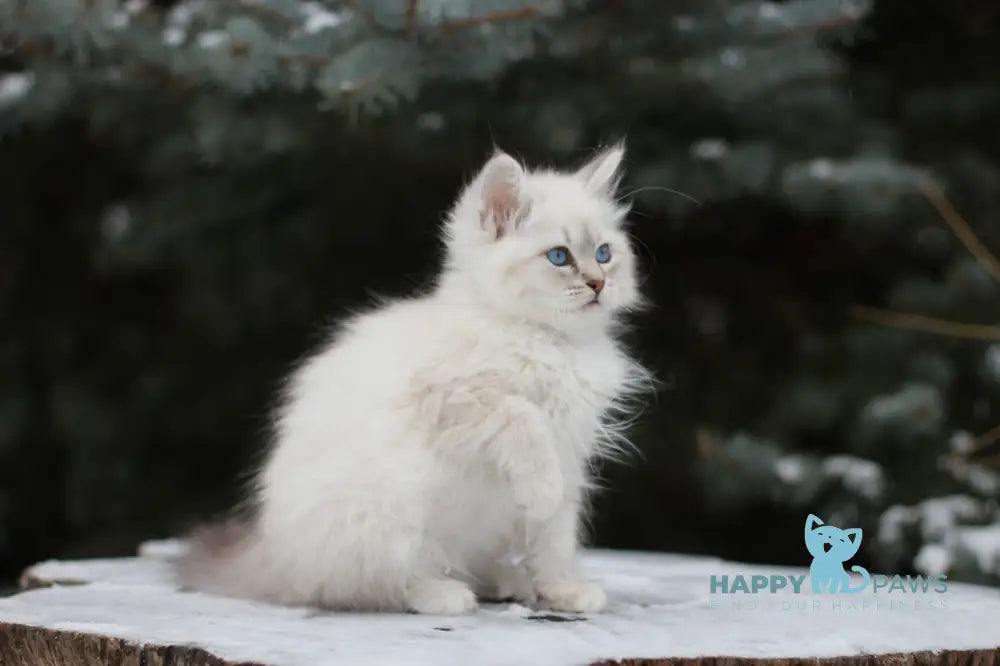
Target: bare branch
x: 935, y: 325
x: 411, y: 16
x: 992, y: 461
x: 961, y: 228
x: 981, y: 443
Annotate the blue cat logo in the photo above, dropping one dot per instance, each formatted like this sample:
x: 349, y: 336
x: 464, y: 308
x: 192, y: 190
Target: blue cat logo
x: 830, y: 547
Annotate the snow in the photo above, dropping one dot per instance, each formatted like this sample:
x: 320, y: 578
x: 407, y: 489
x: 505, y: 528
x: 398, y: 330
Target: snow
x: 183, y: 13
x: 984, y: 544
x: 165, y: 548
x: 14, y: 86
x: 940, y: 514
x: 709, y: 149
x: 770, y: 11
x: 129, y: 572
x: 982, y: 479
x: 118, y: 20
x: 660, y: 606
x: 211, y: 39
x: 860, y: 476
x: 733, y: 58
x: 822, y: 169
x: 318, y: 18
x: 961, y: 441
x: 116, y: 222
x: 936, y: 517
x: 992, y: 361
x: 933, y: 559
x: 981, y: 542
x: 136, y: 6
x: 893, y: 521
x: 431, y: 121
x: 173, y: 36
x: 856, y: 9
x: 790, y: 469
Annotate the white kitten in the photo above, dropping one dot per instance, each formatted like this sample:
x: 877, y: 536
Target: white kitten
x: 439, y: 448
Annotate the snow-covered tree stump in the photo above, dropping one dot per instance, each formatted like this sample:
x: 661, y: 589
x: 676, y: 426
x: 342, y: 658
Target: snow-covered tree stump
x: 662, y: 611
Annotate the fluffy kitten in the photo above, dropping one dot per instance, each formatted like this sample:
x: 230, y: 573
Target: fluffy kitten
x: 439, y: 447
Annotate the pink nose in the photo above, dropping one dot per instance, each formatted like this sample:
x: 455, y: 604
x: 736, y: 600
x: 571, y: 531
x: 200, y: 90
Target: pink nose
x: 596, y: 285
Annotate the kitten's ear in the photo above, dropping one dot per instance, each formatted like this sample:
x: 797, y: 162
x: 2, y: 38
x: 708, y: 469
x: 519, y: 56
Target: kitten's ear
x: 812, y: 520
x: 502, y: 194
x: 602, y: 174
x: 854, y: 535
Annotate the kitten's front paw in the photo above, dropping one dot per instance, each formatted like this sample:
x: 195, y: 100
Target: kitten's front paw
x: 572, y: 596
x: 440, y: 596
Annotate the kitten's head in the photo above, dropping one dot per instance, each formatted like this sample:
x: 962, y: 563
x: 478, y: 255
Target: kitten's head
x: 544, y: 245
x: 831, y: 543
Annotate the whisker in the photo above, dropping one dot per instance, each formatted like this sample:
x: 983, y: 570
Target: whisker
x: 652, y: 188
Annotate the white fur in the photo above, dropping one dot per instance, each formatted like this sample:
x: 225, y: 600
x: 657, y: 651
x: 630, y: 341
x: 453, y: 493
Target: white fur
x: 439, y: 447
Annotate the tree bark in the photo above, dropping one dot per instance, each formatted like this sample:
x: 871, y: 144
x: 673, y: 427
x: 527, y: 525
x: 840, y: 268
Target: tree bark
x: 22, y: 645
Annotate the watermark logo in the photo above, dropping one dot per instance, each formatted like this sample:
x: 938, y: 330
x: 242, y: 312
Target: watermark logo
x: 831, y: 547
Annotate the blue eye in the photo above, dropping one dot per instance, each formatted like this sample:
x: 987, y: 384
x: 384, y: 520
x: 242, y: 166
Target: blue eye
x: 603, y: 254
x: 559, y: 256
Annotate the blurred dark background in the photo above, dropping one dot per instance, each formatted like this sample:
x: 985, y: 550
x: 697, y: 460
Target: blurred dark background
x: 191, y: 192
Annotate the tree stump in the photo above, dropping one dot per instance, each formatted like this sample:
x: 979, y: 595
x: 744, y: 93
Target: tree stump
x: 662, y: 610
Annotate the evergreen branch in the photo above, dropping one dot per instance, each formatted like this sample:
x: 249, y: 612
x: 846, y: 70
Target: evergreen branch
x: 264, y: 12
x: 824, y: 24
x: 252, y: 57
x: 962, y: 230
x: 490, y: 18
x: 922, y: 323
x: 149, y: 68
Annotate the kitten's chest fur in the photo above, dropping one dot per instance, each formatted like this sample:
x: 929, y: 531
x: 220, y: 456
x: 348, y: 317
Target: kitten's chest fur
x: 575, y: 384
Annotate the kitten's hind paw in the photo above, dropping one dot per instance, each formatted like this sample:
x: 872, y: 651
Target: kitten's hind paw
x: 440, y: 596
x: 572, y: 596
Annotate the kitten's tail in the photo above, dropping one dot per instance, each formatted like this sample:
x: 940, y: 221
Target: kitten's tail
x: 864, y: 575
x: 222, y: 558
